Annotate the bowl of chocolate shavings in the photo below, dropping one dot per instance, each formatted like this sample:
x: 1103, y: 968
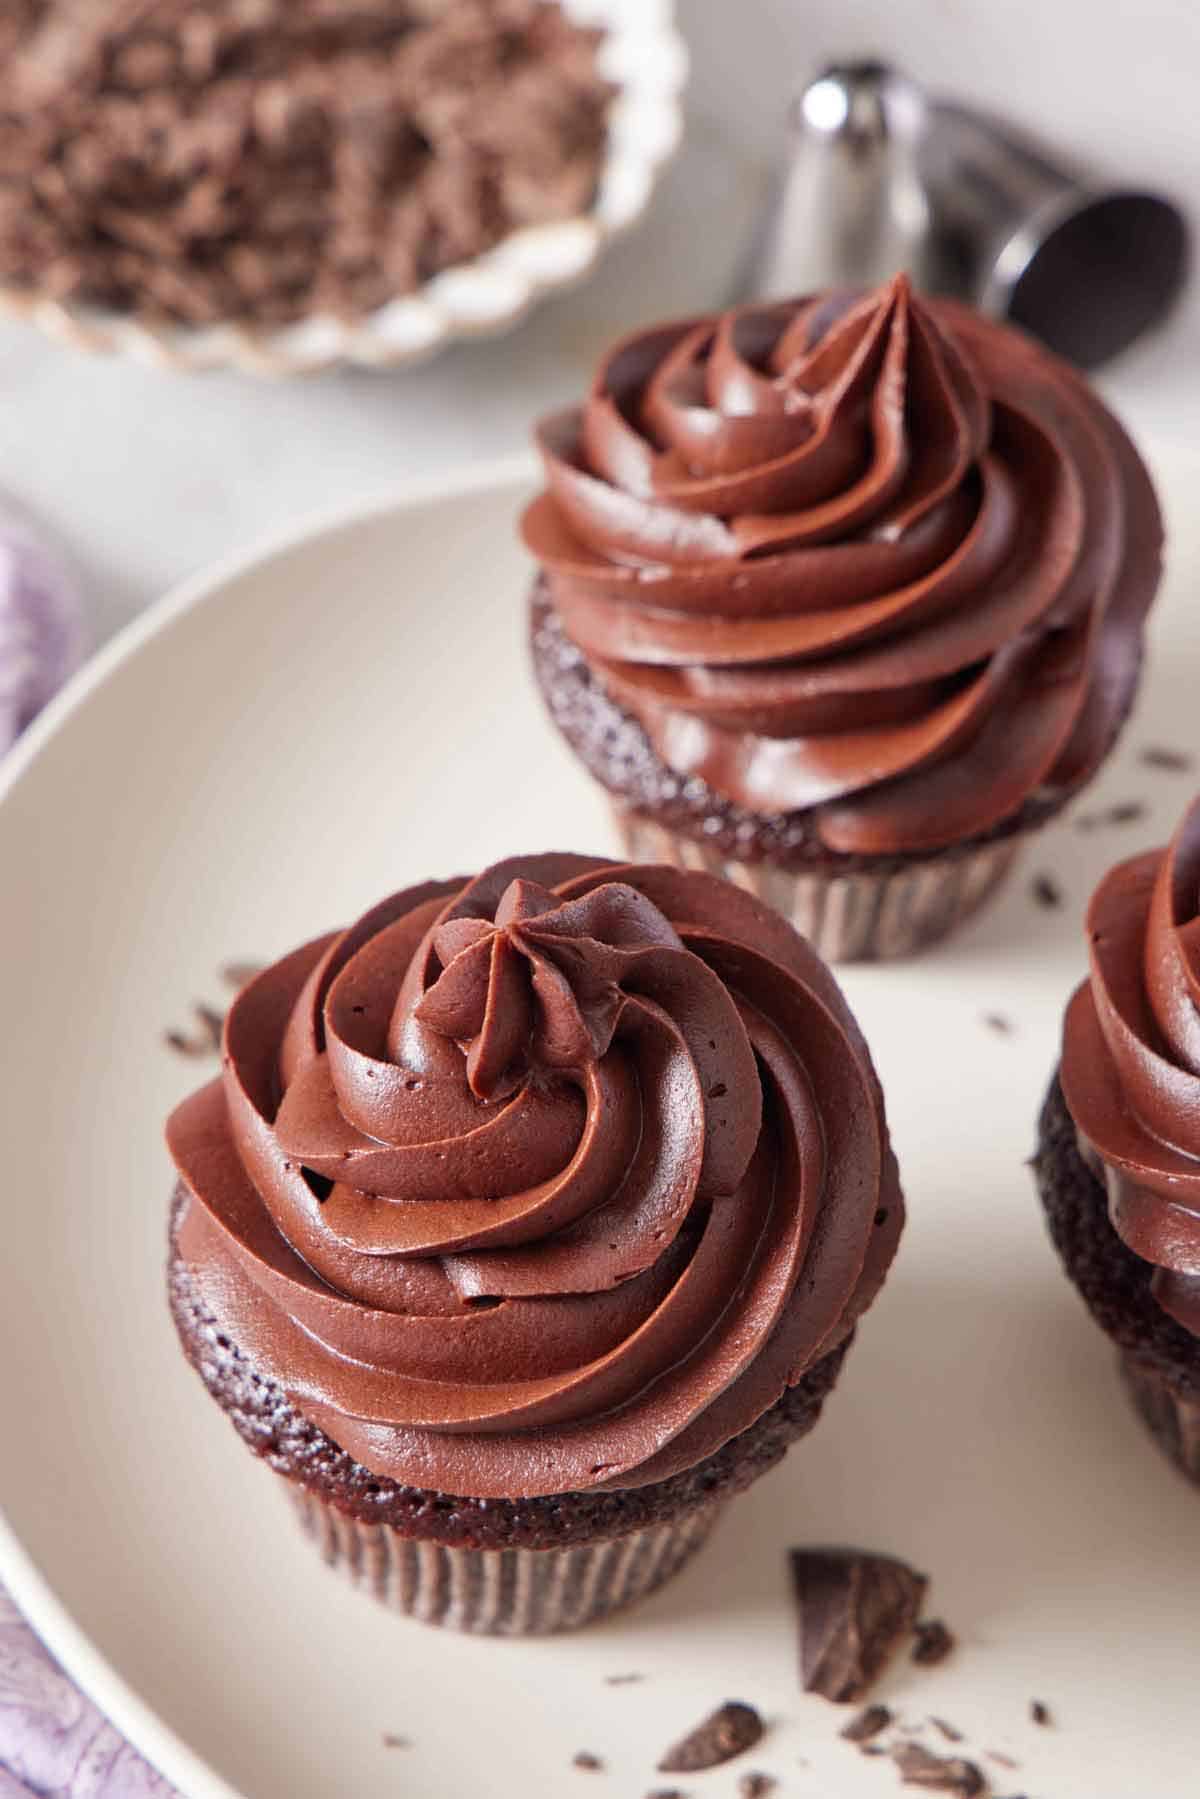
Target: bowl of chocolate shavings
x: 285, y: 185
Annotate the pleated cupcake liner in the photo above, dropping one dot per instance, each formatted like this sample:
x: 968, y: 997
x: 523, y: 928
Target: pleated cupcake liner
x: 856, y: 917
x: 1173, y: 1422
x: 502, y: 1592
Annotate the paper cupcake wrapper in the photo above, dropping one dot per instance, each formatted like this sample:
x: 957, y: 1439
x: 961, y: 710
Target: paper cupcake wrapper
x: 1173, y: 1422
x: 502, y: 1592
x: 859, y: 917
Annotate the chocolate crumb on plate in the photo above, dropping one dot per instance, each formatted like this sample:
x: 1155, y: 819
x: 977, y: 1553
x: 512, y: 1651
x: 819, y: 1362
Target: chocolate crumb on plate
x: 622, y: 1680
x: 855, y: 1609
x: 935, y: 1641
x: 920, y: 1767
x: 729, y: 1731
x: 1176, y: 762
x: 1040, y: 1712
x: 1047, y: 892
x: 205, y: 1041
x: 666, y: 1793
x: 1001, y: 1760
x: 585, y: 1759
x: 756, y: 1785
x: 392, y: 1741
x: 867, y: 1724
x: 1128, y: 812
x: 998, y: 1022
x: 240, y: 974
x: 947, y: 1730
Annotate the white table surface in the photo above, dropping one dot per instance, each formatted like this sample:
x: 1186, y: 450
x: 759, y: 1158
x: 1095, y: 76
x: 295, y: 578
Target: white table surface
x: 150, y: 476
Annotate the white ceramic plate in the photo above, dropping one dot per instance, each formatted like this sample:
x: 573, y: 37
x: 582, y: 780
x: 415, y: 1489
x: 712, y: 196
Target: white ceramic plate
x: 646, y: 59
x: 268, y: 752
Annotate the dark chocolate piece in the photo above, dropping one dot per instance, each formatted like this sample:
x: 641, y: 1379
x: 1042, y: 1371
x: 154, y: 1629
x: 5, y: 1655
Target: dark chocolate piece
x: 1040, y: 1713
x: 729, y: 1731
x: 867, y: 1724
x: 756, y: 1785
x: 855, y: 1609
x: 585, y: 1759
x: 934, y: 1642
x: 1176, y: 762
x: 1047, y: 892
x: 920, y: 1767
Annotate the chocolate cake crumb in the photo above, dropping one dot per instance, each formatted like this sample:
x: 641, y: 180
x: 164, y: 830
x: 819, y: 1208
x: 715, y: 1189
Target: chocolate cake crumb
x: 867, y: 1724
x: 392, y: 1741
x: 998, y: 1022
x: 855, y: 1609
x: 666, y: 1793
x: 756, y: 1785
x: 920, y: 1767
x: 1127, y: 813
x: 934, y: 1643
x: 585, y: 1759
x: 729, y: 1731
x: 947, y: 1730
x: 1040, y: 1713
x: 240, y: 974
x: 1047, y: 892
x: 205, y: 1041
x: 1001, y: 1760
x: 622, y: 1680
x: 1176, y: 762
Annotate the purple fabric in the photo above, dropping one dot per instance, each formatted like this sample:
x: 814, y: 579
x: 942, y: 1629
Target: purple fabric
x: 53, y: 1741
x: 41, y: 623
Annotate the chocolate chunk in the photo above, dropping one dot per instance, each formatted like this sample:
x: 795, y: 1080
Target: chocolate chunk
x: 947, y: 1730
x: 1040, y: 1713
x: 855, y: 1609
x: 1047, y: 892
x: 1127, y: 813
x: 756, y: 1785
x: 867, y: 1724
x: 732, y: 1729
x: 920, y: 1767
x: 1176, y: 762
x: 998, y: 1022
x: 585, y: 1759
x: 934, y: 1643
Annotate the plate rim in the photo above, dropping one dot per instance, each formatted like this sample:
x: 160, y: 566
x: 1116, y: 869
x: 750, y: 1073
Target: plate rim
x: 31, y: 1588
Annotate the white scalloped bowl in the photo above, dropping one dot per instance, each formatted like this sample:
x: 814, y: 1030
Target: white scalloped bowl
x: 643, y: 54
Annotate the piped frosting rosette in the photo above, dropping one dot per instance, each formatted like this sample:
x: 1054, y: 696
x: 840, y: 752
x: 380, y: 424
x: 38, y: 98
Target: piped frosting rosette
x: 548, y: 1180
x: 877, y: 559
x: 1131, y: 1062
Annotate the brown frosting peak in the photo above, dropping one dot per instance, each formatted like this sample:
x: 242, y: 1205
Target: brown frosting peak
x: 1131, y: 1061
x: 547, y: 1180
x: 875, y: 557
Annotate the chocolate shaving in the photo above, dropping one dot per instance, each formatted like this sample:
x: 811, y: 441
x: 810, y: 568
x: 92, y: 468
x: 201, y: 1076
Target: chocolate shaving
x: 585, y: 1759
x: 204, y: 1042
x: 756, y: 1785
x: 947, y: 1730
x: 855, y: 1609
x: 1127, y: 813
x: 1040, y: 1713
x: 729, y: 1731
x: 920, y: 1767
x: 934, y: 1643
x: 1047, y: 892
x: 274, y: 160
x: 240, y: 974
x: 1176, y: 762
x: 867, y: 1724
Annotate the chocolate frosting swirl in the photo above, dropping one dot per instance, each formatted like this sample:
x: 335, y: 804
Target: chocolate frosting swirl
x: 1131, y: 1062
x: 874, y: 558
x: 547, y: 1180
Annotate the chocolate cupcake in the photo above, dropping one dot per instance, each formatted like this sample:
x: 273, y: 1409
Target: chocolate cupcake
x: 528, y: 1222
x: 1118, y: 1164
x: 841, y: 598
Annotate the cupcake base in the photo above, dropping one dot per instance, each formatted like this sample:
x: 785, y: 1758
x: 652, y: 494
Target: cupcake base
x: 865, y: 915
x: 1160, y: 1361
x: 502, y: 1592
